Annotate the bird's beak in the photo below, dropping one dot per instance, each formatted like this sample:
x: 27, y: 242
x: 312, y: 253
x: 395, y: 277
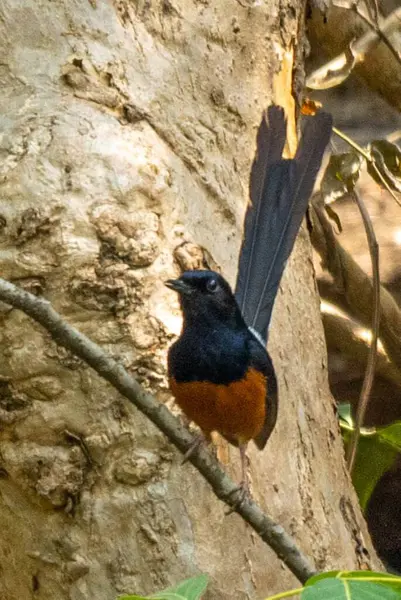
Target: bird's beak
x: 178, y: 286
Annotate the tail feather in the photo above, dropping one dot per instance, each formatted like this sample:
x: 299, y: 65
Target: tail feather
x: 270, y: 144
x: 279, y: 193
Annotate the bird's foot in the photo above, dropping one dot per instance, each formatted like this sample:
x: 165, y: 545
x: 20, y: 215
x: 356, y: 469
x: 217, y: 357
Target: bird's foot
x: 200, y: 440
x: 243, y: 488
x: 244, y: 493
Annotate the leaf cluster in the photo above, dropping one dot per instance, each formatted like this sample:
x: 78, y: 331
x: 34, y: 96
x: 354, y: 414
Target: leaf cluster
x: 333, y: 585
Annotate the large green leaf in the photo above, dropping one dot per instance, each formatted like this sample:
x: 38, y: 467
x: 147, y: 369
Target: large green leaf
x: 391, y: 435
x: 352, y: 585
x: 377, y: 451
x: 338, y: 589
x: 387, y: 579
x: 374, y: 457
x: 189, y: 589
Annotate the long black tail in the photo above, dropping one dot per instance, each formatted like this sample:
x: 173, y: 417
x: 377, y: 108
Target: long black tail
x: 279, y: 191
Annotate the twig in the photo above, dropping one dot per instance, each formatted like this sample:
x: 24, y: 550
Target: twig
x: 374, y: 25
x: 359, y: 49
x: 353, y: 144
x: 225, y: 489
x: 366, y: 155
x: 372, y: 359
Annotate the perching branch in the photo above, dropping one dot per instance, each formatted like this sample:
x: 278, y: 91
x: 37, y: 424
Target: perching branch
x: 225, y: 489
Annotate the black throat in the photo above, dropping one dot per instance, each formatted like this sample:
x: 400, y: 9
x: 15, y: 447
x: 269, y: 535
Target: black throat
x: 209, y: 348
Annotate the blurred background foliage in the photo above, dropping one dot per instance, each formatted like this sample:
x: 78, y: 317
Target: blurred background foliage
x: 367, y: 113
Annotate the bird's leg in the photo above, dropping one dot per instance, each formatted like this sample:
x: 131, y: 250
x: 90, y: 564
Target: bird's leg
x: 244, y: 485
x: 186, y: 421
x: 243, y: 488
x: 200, y: 440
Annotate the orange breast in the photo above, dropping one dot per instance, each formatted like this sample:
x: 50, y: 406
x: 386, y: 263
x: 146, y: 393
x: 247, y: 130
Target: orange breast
x: 236, y: 410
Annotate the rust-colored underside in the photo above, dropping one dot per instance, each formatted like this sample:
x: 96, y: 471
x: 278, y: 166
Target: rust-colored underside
x: 236, y: 410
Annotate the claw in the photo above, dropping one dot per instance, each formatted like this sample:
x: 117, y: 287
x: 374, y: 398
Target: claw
x: 200, y: 440
x: 244, y: 494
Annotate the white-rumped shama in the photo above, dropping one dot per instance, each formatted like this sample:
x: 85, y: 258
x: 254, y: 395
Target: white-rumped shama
x: 220, y: 372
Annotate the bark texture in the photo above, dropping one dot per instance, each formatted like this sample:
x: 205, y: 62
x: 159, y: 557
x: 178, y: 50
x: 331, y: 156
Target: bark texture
x: 127, y: 135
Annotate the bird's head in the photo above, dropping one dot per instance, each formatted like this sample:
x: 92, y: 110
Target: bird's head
x: 205, y: 295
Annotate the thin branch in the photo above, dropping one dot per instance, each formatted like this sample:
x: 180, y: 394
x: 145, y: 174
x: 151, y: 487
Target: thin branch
x: 372, y: 359
x: 353, y: 144
x: 325, y: 76
x: 225, y: 489
x: 375, y: 26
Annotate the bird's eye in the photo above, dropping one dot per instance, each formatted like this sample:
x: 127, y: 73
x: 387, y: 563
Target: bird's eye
x: 211, y: 285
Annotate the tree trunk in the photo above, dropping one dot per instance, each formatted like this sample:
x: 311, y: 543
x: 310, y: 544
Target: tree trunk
x: 128, y: 128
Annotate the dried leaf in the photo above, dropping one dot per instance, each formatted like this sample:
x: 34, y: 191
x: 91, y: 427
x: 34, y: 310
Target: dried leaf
x: 347, y: 4
x: 333, y: 216
x: 387, y: 158
x: 334, y: 72
x: 340, y: 176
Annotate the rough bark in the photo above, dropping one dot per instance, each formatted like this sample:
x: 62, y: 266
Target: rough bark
x: 127, y: 129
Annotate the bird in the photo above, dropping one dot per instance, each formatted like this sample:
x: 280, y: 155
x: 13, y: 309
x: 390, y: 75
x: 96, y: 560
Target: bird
x: 219, y: 370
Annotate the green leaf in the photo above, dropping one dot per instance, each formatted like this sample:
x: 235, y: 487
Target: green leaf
x: 377, y: 451
x: 167, y: 596
x: 371, y: 576
x: 189, y: 589
x: 344, y: 412
x: 339, y: 589
x: 352, y: 585
x: 391, y: 435
x: 374, y: 457
x: 131, y: 597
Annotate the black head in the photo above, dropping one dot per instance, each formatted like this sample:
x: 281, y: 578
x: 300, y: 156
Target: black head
x: 206, y: 295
